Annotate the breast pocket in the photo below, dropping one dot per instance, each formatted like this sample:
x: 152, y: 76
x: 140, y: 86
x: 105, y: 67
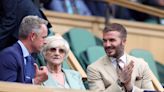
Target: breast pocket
x: 138, y: 81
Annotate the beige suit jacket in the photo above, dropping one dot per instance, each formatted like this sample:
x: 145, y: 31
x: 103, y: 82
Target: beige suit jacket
x: 102, y: 75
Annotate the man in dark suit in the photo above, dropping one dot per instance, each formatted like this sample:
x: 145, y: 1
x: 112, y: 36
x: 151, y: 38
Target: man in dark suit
x: 14, y: 63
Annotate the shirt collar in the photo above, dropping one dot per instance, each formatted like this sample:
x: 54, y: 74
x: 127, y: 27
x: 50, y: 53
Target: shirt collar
x: 24, y: 49
x: 123, y: 58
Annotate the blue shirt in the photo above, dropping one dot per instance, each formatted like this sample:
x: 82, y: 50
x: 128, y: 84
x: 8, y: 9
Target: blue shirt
x: 24, y: 50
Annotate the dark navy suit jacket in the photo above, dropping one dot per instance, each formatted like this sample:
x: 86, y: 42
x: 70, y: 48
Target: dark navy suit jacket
x: 12, y: 64
x: 11, y: 14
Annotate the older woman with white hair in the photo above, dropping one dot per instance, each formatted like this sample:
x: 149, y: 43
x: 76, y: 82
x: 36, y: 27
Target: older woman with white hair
x: 54, y: 52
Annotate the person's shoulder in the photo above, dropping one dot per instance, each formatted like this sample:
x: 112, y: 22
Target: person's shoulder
x: 137, y: 61
x: 7, y: 50
x: 10, y: 49
x: 100, y: 62
x: 13, y: 52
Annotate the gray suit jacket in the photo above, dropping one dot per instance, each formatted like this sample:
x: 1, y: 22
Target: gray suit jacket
x: 102, y: 75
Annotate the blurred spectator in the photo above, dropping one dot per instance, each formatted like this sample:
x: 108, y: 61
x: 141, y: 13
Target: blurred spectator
x: 121, y: 12
x: 11, y: 14
x: 139, y: 16
x: 97, y: 8
x: 68, y: 6
x: 40, y: 3
x: 154, y: 3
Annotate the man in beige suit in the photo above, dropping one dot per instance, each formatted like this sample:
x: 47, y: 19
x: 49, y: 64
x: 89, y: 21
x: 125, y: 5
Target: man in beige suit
x: 118, y: 71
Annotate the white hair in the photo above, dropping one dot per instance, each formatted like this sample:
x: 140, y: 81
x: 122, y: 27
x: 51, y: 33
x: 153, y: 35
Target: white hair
x: 54, y: 42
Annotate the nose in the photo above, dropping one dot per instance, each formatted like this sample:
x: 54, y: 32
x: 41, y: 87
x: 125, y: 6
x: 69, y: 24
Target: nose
x: 57, y: 52
x: 107, y: 43
x: 44, y: 41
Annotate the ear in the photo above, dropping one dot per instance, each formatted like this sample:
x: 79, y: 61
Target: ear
x: 124, y: 41
x: 32, y: 36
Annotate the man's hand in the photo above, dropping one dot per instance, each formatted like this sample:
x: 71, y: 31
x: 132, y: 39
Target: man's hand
x: 41, y: 74
x: 125, y: 75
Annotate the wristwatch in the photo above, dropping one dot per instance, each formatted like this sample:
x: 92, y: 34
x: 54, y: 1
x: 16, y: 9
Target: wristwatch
x: 121, y: 84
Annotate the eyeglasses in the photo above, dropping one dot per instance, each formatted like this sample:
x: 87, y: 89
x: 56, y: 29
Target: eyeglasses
x: 60, y: 50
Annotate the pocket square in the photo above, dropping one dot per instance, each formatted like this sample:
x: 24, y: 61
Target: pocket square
x: 138, y: 78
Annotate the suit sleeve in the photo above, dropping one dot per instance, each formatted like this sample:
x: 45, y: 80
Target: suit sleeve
x: 8, y: 68
x: 96, y: 82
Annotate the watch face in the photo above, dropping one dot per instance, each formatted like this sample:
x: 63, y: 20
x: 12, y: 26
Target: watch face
x: 120, y: 83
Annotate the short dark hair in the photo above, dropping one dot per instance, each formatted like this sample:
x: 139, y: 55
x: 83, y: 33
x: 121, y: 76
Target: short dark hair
x: 116, y: 27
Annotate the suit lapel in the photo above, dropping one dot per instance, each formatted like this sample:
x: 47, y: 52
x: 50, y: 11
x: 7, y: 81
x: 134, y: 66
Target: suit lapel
x: 134, y: 73
x: 69, y: 78
x: 109, y: 68
x: 128, y: 59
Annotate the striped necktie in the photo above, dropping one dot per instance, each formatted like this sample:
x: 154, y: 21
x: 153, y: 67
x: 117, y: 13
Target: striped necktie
x: 118, y: 67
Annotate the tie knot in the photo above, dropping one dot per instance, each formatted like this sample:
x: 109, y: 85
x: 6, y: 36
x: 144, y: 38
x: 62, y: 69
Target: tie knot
x: 28, y: 58
x: 118, y: 60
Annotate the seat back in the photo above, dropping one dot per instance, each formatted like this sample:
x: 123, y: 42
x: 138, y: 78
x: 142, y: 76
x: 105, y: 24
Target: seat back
x: 160, y: 68
x: 99, y: 41
x: 148, y: 57
x: 92, y: 54
x: 65, y: 64
x: 79, y: 40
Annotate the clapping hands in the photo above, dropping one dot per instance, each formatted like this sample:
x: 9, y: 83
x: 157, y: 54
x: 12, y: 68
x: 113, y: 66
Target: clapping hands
x: 125, y: 75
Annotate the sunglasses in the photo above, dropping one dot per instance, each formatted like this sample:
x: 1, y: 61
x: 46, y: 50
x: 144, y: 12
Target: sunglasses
x: 60, y: 50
